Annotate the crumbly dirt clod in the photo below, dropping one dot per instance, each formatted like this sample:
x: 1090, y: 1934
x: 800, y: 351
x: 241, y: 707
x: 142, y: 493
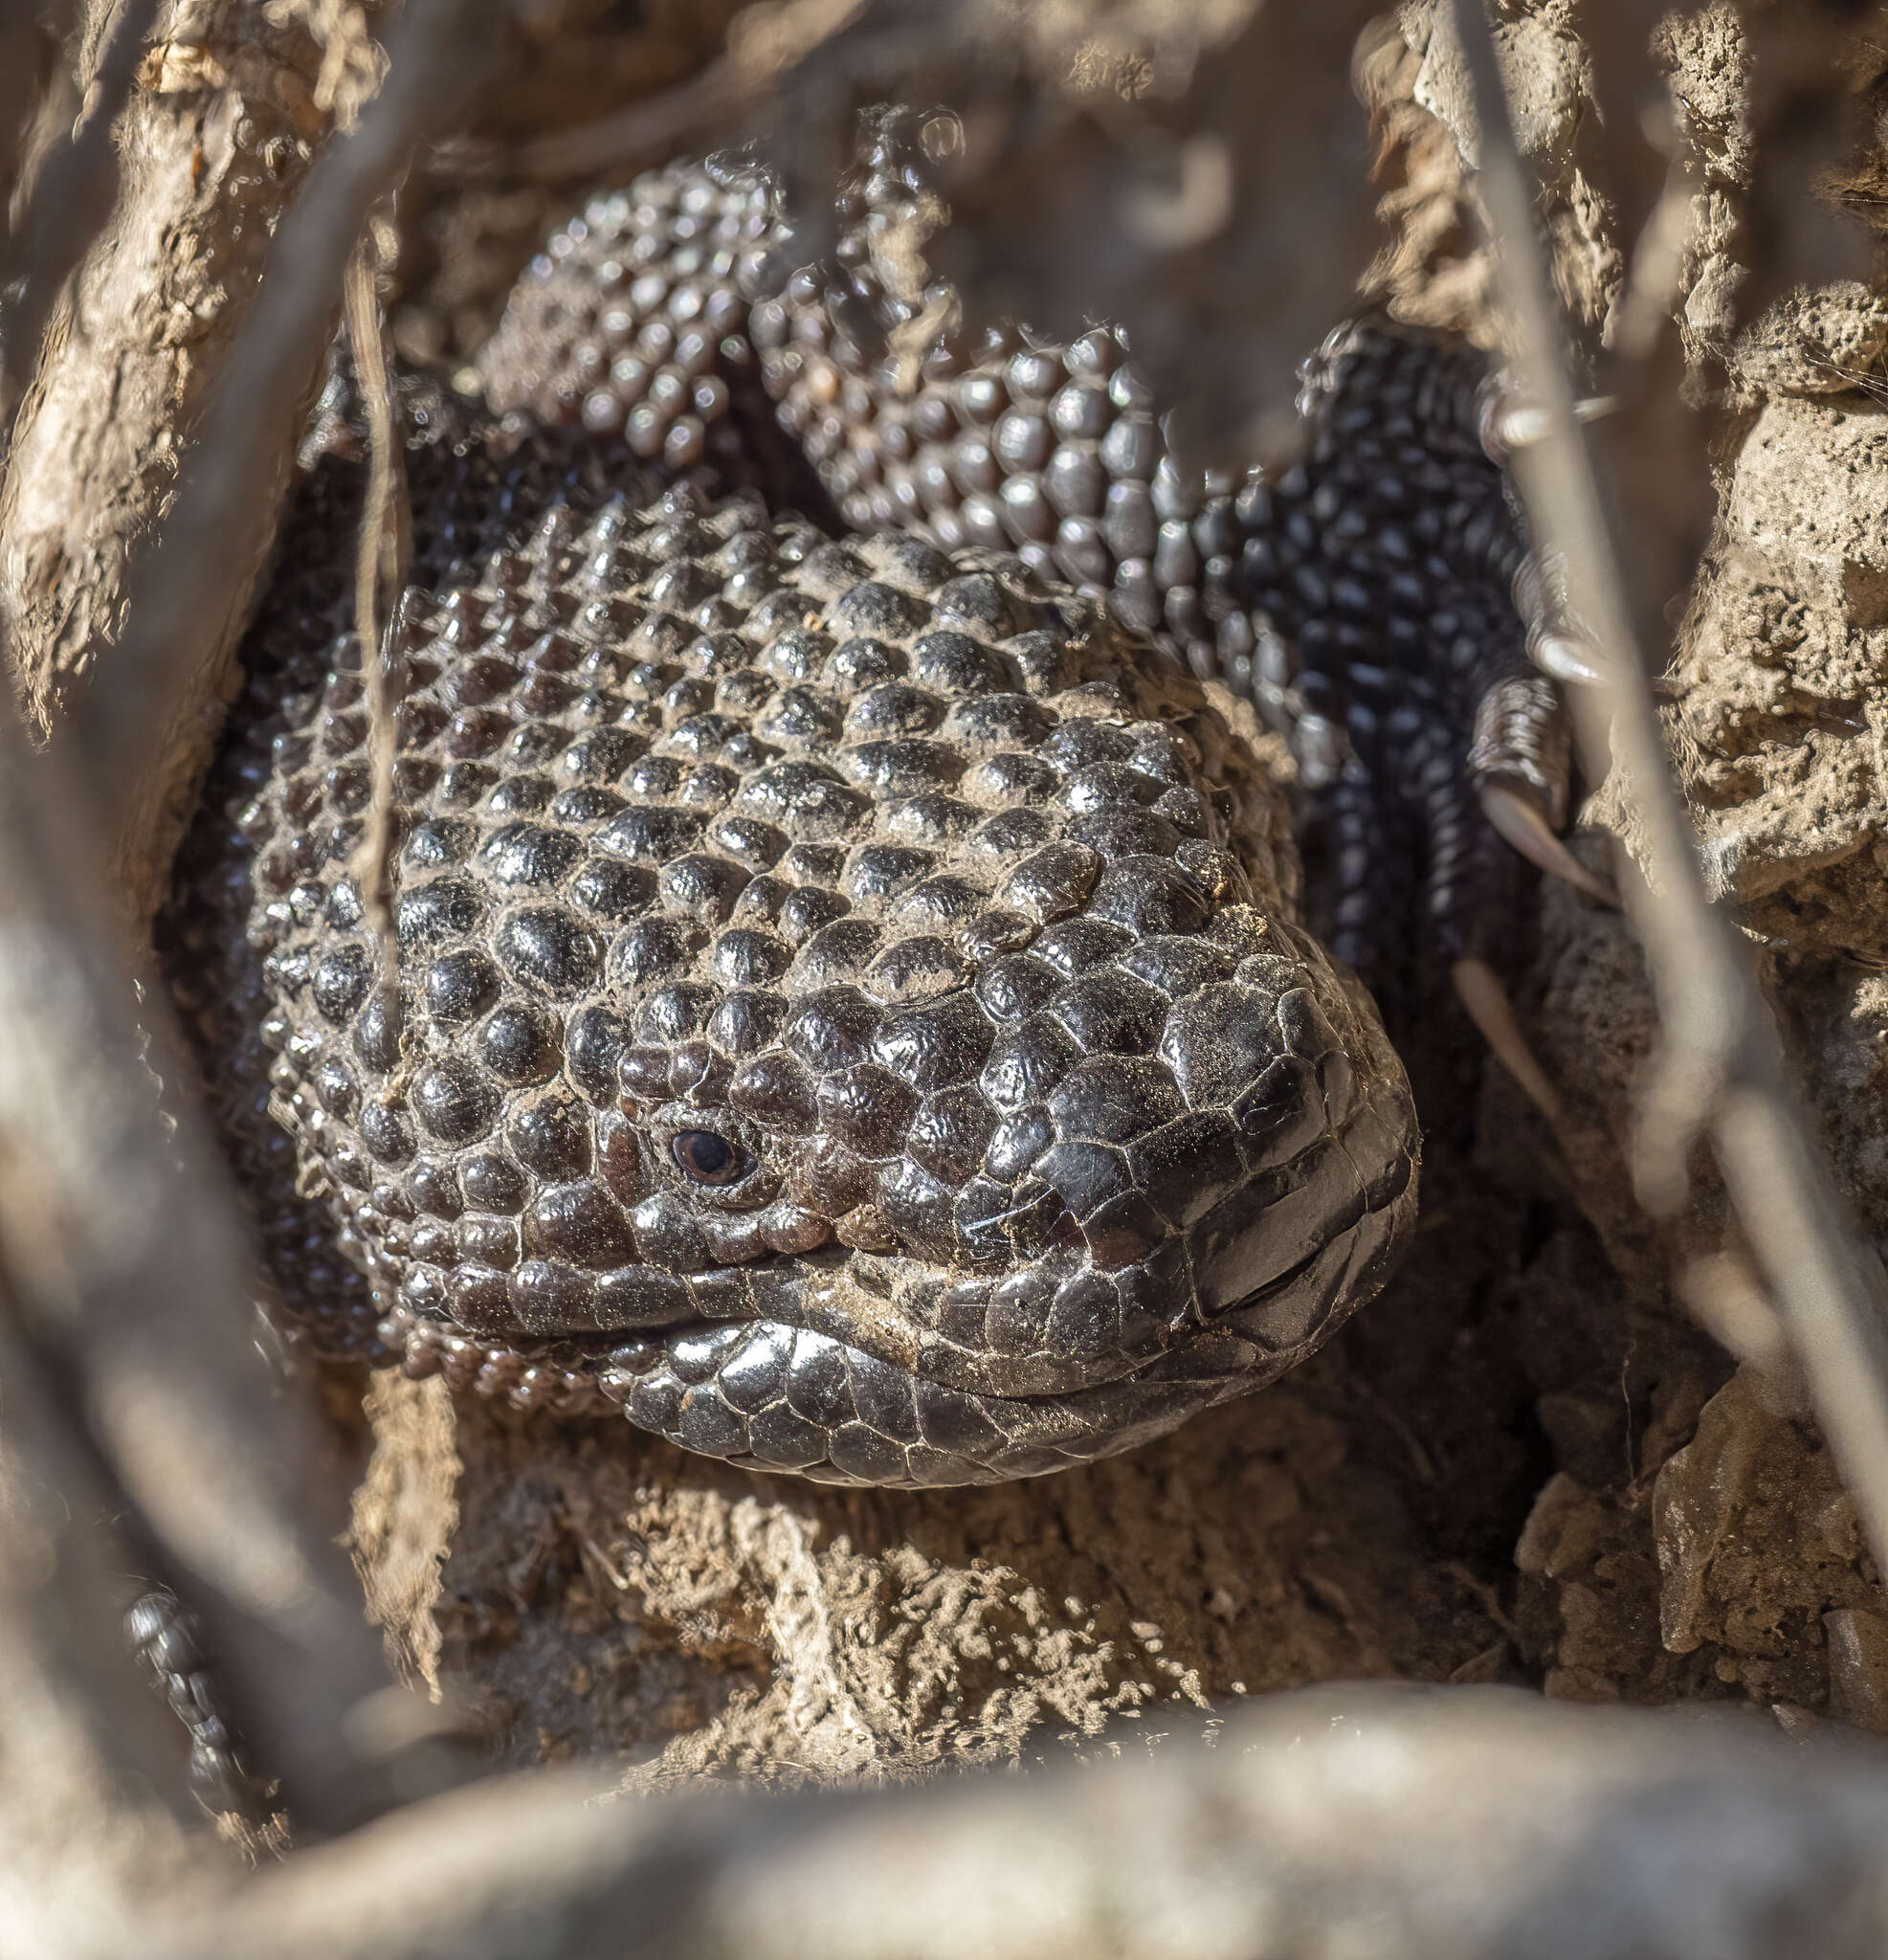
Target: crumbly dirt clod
x: 605, y: 1592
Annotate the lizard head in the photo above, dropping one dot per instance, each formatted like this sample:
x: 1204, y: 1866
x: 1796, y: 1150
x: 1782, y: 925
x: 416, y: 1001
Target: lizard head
x: 850, y: 1010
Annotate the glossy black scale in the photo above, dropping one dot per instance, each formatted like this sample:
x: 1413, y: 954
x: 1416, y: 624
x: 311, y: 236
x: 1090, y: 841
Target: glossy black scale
x: 799, y: 1038
x: 1364, y: 600
x: 851, y: 1012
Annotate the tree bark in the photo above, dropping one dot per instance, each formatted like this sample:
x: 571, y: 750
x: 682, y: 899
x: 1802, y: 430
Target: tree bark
x: 213, y: 144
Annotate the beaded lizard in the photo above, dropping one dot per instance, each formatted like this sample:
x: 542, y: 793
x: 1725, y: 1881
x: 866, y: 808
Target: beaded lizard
x: 852, y: 1013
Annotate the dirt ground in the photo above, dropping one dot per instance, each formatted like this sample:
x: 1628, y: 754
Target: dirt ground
x: 1527, y: 1463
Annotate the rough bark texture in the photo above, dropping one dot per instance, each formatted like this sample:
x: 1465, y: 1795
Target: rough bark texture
x: 212, y: 145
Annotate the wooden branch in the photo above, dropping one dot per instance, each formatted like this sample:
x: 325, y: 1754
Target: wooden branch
x: 1467, y: 1823
x: 86, y: 1843
x: 119, y: 1241
x: 123, y: 1250
x: 186, y: 602
x: 216, y: 138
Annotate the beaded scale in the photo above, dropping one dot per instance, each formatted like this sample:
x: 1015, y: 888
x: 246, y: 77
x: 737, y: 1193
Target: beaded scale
x: 852, y: 1014
x: 850, y: 1010
x: 1369, y: 601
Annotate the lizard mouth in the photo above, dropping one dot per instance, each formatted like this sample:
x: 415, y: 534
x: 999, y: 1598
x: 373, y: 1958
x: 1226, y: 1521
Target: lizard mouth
x: 842, y: 1367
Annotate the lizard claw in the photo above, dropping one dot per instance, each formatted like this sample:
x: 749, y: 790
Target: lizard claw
x: 1492, y: 1012
x: 1556, y: 644
x: 1524, y: 825
x: 1564, y: 657
x: 1511, y: 423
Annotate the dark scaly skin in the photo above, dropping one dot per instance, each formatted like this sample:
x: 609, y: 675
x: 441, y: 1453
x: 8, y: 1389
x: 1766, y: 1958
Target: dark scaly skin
x: 166, y: 1644
x: 1364, y: 600
x: 965, y: 918
x: 1029, y: 1170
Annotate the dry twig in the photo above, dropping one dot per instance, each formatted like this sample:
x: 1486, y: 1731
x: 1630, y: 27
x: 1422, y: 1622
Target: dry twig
x: 60, y: 1563
x: 119, y: 1244
x: 764, y: 44
x: 380, y: 574
x: 130, y: 1270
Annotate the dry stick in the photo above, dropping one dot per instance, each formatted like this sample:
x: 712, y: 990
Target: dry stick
x: 69, y: 203
x: 33, y: 85
x: 132, y: 1275
x: 1721, y: 1068
x: 634, y: 135
x: 1474, y: 1823
x: 379, y: 573
x: 139, y: 1275
x: 216, y: 534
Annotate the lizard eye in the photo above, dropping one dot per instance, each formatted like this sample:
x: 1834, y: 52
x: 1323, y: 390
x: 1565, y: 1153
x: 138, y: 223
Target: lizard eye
x: 708, y: 1157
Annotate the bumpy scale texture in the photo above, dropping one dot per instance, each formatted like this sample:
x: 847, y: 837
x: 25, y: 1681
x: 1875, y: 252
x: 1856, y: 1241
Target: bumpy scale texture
x: 850, y: 1013
x: 1364, y: 600
x: 168, y: 1649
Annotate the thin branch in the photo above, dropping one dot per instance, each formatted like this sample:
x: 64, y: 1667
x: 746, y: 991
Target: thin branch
x: 639, y: 134
x: 133, y: 1272
x: 65, y: 1605
x: 216, y: 538
x: 133, y: 1277
x: 1721, y: 1070
x: 379, y: 573
x: 776, y: 39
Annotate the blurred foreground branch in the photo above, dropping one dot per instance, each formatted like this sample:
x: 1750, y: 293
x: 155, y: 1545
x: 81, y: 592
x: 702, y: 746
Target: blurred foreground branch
x: 124, y: 1262
x: 1464, y: 1824
x: 70, y: 199
x: 129, y: 1274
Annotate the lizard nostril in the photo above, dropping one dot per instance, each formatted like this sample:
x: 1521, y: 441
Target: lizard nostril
x: 708, y: 1157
